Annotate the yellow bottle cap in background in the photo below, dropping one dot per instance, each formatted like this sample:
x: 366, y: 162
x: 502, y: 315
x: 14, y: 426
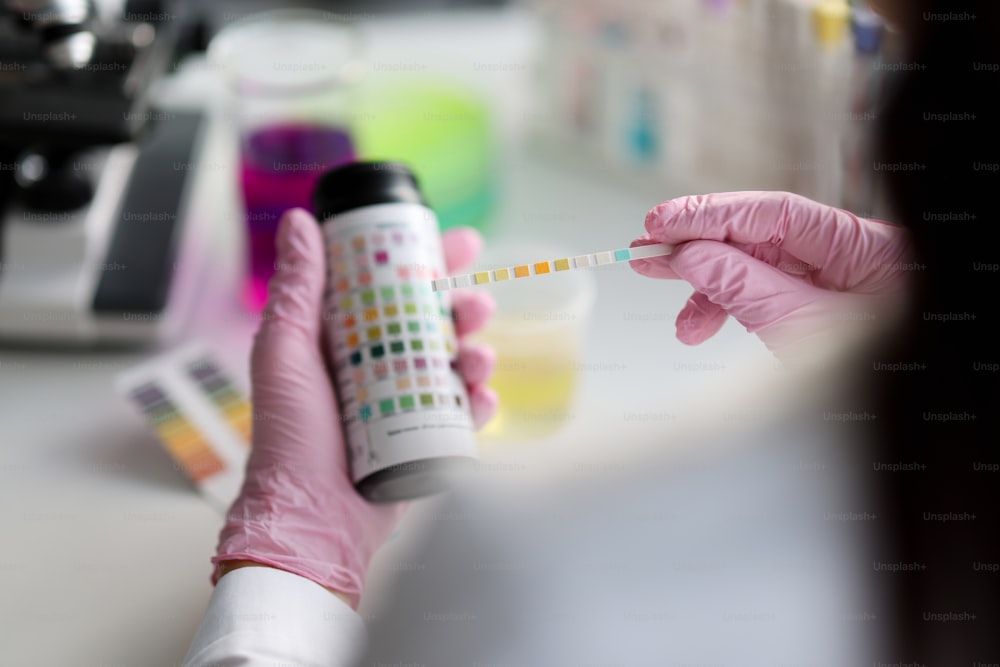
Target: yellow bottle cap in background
x: 830, y: 21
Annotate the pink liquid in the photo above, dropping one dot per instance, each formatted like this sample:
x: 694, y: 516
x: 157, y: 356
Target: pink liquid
x: 279, y: 165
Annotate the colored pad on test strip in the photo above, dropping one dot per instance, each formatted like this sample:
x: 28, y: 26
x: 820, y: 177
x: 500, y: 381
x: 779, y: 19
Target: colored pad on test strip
x: 550, y: 266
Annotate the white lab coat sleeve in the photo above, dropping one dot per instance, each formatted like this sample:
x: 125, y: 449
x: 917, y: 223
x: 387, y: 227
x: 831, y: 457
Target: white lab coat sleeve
x: 263, y: 616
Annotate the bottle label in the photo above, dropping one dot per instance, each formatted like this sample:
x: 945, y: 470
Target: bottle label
x: 392, y: 339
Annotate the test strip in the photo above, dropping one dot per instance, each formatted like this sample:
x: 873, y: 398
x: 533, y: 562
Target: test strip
x: 531, y: 269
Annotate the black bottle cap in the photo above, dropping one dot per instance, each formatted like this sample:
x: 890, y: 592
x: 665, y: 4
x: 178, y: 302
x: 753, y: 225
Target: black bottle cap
x: 364, y: 184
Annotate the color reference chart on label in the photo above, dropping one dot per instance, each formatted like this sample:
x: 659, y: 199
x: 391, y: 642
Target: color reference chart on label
x: 202, y: 419
x: 395, y: 345
x: 550, y: 266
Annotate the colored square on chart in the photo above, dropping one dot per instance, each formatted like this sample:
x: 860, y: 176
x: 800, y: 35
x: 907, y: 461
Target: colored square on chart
x: 391, y: 310
x: 361, y: 394
x: 397, y: 238
x: 343, y: 285
x: 359, y: 375
x: 358, y: 243
x: 431, y: 325
x: 350, y: 321
x: 448, y: 346
x: 429, y: 309
x: 397, y: 347
x: 458, y: 401
x: 371, y: 314
x: 443, y: 398
x: 374, y: 333
x: 365, y: 412
x: 442, y: 284
x: 381, y: 369
x: 378, y: 239
x: 410, y: 308
x: 482, y: 277
x: 340, y: 267
x: 378, y: 351
x: 413, y: 327
x: 541, y: 268
x: 426, y: 399
x: 360, y: 261
x: 562, y: 264
x: 399, y: 365
x: 406, y: 402
x: 425, y: 289
x: 420, y: 363
x: 439, y: 381
x: 436, y: 362
x: 337, y: 250
x: 394, y: 329
x: 355, y: 358
x: 353, y: 340
x: 346, y: 303
x: 368, y: 297
x: 365, y: 278
x: 502, y: 274
x: 403, y: 272
x: 622, y: 255
x: 387, y: 406
x: 406, y: 291
x: 604, y: 257
x: 402, y: 383
x: 387, y: 293
x: 434, y: 344
x: 423, y: 381
x: 463, y: 281
x: 381, y: 257
x: 417, y: 345
x: 522, y: 271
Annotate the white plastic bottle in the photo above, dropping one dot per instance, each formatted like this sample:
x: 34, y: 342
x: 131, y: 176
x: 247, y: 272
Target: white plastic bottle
x: 392, y: 344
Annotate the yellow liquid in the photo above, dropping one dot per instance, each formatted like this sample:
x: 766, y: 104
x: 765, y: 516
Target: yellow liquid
x: 535, y: 393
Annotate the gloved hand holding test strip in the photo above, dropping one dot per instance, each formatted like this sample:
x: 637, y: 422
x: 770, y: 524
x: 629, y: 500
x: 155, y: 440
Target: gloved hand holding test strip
x: 553, y: 265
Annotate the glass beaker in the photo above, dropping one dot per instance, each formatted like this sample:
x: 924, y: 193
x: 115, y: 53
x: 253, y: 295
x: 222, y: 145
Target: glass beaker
x: 291, y: 75
x: 538, y: 333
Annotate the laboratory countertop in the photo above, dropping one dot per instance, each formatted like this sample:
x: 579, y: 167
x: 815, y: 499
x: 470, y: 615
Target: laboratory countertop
x: 106, y: 545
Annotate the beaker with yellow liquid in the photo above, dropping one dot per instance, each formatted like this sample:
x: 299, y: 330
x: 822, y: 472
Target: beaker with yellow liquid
x: 538, y: 335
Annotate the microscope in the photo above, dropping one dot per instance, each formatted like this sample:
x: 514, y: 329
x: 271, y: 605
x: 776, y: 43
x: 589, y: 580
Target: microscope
x: 94, y: 179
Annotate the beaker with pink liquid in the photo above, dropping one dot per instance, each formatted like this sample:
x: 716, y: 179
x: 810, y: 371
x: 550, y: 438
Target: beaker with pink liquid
x: 291, y: 76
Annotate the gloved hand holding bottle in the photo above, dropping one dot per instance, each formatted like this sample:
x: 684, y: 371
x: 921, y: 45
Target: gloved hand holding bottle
x: 298, y: 510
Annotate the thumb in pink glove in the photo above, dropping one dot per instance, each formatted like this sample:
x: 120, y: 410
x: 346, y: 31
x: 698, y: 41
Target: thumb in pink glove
x: 298, y: 510
x: 787, y: 268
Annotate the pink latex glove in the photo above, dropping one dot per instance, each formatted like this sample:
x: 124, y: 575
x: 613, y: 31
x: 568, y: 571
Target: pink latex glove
x: 787, y: 268
x: 298, y: 510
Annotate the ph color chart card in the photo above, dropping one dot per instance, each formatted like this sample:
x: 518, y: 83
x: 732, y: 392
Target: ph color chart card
x: 202, y: 419
x: 394, y: 344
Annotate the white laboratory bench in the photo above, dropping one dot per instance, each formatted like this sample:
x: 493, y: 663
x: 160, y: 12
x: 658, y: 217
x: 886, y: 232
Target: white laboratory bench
x: 104, y: 557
